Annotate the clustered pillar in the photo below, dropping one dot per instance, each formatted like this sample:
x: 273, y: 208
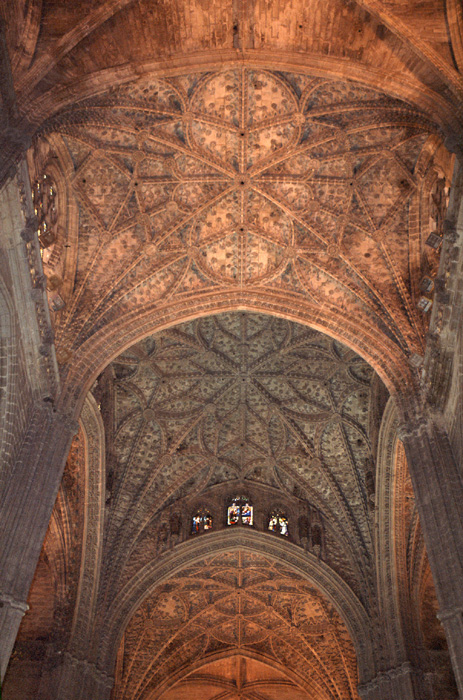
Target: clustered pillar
x: 25, y: 511
x: 438, y: 488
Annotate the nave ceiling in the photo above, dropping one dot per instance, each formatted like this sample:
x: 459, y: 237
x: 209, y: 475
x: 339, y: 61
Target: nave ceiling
x: 231, y: 404
x: 280, y: 192
x: 221, y: 171
x: 246, y: 401
x: 62, y: 52
x: 236, y: 626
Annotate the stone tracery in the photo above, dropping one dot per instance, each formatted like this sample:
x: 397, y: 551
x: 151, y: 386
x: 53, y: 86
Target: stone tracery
x: 153, y: 193
x: 241, y: 180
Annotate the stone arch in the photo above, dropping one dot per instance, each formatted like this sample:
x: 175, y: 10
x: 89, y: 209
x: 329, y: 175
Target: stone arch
x: 386, y: 555
x: 410, y: 90
x: 395, y: 565
x: 308, y: 566
x: 95, y: 479
x: 387, y: 325
x: 381, y: 353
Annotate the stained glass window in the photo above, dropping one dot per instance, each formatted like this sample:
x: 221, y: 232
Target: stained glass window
x: 44, y: 198
x: 240, y: 511
x: 278, y: 523
x: 201, y: 520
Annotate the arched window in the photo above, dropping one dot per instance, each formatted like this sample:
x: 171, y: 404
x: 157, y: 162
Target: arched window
x: 201, y: 520
x: 278, y: 522
x: 316, y: 534
x: 44, y: 198
x: 240, y: 511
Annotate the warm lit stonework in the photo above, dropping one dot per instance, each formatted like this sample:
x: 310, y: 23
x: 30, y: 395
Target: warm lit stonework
x: 230, y: 350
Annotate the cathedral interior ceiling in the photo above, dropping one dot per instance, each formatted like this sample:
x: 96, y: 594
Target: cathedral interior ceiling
x: 236, y: 676
x: 61, y: 51
x: 235, y: 157
x: 246, y: 184
x: 236, y: 626
x: 244, y: 400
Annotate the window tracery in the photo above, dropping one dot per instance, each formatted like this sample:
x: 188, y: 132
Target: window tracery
x: 240, y: 511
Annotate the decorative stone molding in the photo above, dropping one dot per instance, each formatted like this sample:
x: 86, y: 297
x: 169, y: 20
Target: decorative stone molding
x: 79, y: 678
x: 386, y: 555
x: 93, y: 525
x: 100, y: 676
x: 14, y: 604
x: 402, y: 682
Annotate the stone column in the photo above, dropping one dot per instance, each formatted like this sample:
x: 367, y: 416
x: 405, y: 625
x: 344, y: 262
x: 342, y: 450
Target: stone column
x: 452, y: 621
x: 11, y: 614
x: 438, y: 486
x: 25, y: 511
x: 401, y: 683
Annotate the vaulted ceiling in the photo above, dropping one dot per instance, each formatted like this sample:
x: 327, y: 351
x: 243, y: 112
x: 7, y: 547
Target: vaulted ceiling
x: 243, y: 195
x: 236, y: 626
x: 280, y: 191
x: 61, y: 51
x: 241, y: 399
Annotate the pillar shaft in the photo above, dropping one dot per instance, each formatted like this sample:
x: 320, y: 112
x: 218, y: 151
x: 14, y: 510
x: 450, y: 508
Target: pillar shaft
x: 11, y: 614
x: 438, y: 489
x: 25, y: 510
x: 452, y: 621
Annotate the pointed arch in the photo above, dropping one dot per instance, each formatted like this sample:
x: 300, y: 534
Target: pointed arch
x: 306, y: 565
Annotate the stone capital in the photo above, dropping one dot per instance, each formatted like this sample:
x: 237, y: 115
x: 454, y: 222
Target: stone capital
x: 18, y: 605
x: 413, y: 427
x: 66, y: 420
x: 403, y: 682
x: 58, y: 417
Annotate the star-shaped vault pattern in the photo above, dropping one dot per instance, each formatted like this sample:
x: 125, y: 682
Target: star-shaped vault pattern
x: 245, y: 180
x: 240, y: 399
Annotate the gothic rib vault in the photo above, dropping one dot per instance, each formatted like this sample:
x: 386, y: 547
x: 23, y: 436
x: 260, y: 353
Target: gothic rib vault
x: 270, y: 188
x: 296, y: 194
x: 259, y: 610
x: 243, y: 400
x: 238, y: 257
x: 228, y: 404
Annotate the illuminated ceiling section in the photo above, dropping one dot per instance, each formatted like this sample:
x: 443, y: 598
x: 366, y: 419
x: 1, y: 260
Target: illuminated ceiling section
x: 301, y: 188
x: 250, y: 401
x: 236, y: 626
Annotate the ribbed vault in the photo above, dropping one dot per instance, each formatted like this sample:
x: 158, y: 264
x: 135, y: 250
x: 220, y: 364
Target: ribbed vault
x: 244, y: 186
x: 248, y: 401
x: 243, y: 192
x: 236, y: 676
x: 61, y: 51
x: 246, y: 608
